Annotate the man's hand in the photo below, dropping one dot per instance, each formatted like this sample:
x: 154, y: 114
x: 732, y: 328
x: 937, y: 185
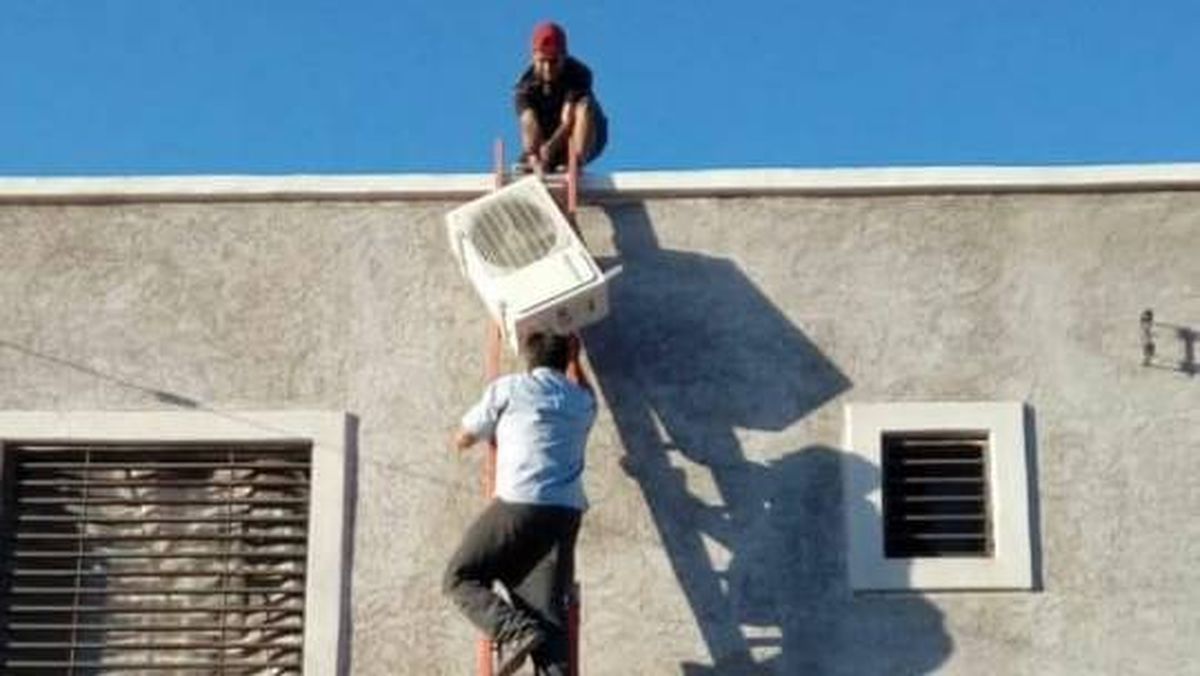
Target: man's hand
x: 575, y: 370
x: 553, y: 147
x: 533, y: 159
x: 573, y: 345
x: 463, y: 440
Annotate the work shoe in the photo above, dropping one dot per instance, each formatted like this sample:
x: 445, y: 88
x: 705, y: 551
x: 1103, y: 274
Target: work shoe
x: 518, y: 648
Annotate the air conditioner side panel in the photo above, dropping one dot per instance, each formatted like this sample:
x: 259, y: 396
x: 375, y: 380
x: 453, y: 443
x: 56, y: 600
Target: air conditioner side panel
x: 566, y: 314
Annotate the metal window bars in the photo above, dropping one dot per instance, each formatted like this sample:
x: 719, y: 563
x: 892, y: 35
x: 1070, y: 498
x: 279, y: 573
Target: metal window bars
x: 935, y: 494
x: 153, y: 558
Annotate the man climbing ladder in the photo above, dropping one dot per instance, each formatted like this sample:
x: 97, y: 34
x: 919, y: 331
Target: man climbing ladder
x: 525, y: 538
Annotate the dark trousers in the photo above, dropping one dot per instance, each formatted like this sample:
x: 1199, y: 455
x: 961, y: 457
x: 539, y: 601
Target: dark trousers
x: 530, y: 550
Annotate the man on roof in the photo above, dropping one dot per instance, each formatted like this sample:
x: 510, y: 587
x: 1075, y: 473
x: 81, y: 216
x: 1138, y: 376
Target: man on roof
x: 556, y: 106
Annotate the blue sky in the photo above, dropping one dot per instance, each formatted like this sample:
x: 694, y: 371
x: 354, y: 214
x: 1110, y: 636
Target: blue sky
x: 112, y: 87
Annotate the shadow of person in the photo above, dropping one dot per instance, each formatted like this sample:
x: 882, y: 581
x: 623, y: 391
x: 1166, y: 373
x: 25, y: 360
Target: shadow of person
x: 695, y: 352
x: 828, y: 629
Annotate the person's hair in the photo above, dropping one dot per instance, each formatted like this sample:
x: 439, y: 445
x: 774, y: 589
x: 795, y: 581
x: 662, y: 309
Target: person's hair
x: 547, y: 349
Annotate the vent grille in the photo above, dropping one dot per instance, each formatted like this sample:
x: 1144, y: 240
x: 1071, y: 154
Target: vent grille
x: 182, y: 559
x: 513, y: 232
x: 935, y: 494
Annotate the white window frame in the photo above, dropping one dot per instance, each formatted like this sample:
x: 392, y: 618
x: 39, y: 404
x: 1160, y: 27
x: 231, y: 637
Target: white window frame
x: 1010, y: 567
x: 328, y: 432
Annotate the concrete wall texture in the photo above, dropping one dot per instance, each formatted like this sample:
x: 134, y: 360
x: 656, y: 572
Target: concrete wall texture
x: 715, y: 544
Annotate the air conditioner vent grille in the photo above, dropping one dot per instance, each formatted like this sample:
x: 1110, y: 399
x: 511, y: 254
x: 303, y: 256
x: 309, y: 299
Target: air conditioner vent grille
x: 512, y: 233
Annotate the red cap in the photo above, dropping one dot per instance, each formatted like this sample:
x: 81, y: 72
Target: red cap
x: 550, y: 39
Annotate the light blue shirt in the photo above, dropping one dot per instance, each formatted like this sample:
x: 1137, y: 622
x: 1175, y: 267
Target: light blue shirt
x: 540, y: 421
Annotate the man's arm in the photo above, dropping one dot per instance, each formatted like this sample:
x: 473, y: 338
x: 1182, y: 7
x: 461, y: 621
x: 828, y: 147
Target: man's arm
x: 576, y: 373
x: 531, y: 131
x: 531, y: 141
x: 565, y: 125
x: 479, y: 422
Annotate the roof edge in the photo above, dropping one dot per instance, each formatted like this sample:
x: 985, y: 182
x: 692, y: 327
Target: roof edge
x: 619, y: 185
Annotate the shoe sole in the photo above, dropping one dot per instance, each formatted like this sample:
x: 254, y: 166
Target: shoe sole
x: 517, y: 659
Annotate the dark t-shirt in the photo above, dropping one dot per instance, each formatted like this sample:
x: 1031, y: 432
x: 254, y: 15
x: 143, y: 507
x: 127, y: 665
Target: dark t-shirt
x: 547, y: 99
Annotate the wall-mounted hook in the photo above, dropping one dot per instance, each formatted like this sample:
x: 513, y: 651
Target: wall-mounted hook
x: 1187, y: 336
x: 1147, y: 336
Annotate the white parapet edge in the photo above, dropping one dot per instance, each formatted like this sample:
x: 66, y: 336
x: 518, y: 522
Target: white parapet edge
x: 619, y: 185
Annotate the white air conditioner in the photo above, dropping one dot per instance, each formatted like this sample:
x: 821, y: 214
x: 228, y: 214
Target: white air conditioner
x: 521, y: 255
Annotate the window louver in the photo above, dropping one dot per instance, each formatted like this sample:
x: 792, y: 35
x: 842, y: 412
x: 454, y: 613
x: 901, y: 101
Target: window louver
x: 935, y: 495
x: 512, y: 233
x: 181, y: 559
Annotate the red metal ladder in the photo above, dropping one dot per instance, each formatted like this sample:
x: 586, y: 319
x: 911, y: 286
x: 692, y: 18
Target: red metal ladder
x: 487, y: 653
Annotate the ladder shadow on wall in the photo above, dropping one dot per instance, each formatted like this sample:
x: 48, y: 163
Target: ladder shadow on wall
x: 693, y: 353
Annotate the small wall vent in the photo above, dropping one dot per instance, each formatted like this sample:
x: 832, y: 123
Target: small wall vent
x: 526, y: 262
x: 935, y: 494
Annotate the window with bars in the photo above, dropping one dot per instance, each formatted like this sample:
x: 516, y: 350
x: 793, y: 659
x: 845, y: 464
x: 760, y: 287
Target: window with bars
x: 182, y: 558
x: 935, y: 494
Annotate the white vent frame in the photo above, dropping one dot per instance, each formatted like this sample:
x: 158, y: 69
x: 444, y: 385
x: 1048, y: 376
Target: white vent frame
x: 562, y: 291
x: 328, y: 432
x: 1011, y: 565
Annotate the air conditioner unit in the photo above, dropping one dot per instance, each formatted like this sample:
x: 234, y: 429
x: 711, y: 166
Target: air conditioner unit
x: 526, y: 262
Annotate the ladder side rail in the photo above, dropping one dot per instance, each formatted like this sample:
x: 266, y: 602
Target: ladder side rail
x: 485, y: 650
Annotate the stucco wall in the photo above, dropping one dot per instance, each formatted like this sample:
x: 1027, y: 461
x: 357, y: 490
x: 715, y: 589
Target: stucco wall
x: 740, y: 327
